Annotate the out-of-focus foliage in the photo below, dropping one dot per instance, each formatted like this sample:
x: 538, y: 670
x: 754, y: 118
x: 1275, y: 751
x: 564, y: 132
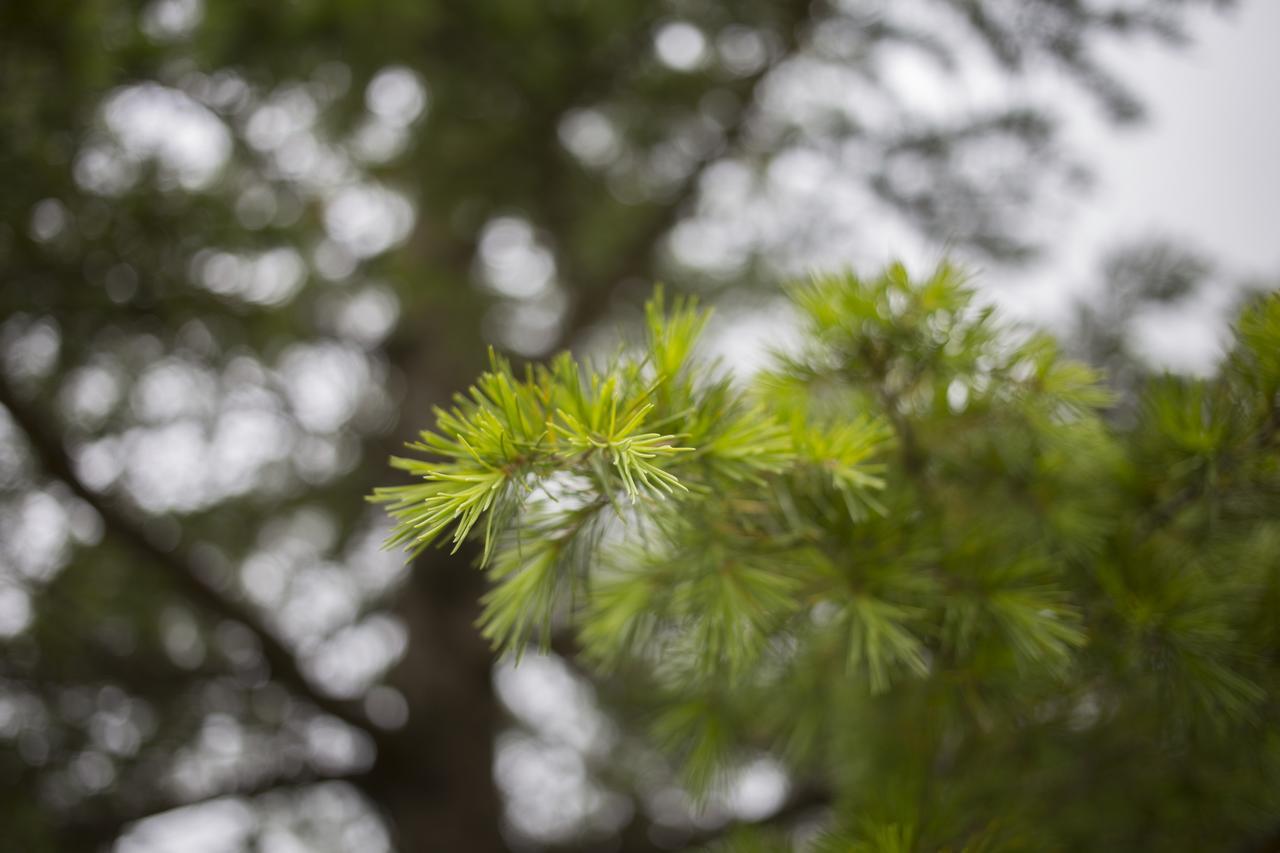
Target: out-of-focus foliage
x: 1145, y: 284
x: 246, y: 247
x: 912, y: 563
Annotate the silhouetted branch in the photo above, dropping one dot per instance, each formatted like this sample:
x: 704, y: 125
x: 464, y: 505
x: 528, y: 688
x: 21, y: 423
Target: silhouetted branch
x: 592, y: 303
x: 95, y: 829
x: 179, y: 569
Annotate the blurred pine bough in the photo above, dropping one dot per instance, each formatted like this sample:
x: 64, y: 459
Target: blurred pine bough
x: 913, y: 561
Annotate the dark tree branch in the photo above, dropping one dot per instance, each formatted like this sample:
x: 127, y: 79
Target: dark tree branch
x: 593, y: 302
x: 176, y: 565
x: 91, y: 829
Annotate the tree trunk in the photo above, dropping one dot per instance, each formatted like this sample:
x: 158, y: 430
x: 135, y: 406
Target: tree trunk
x: 438, y: 786
x: 435, y: 782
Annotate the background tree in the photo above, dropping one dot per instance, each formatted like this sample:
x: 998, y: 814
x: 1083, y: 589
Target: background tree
x: 1140, y: 280
x: 245, y: 249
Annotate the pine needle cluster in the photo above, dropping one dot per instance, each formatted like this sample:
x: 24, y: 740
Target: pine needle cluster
x: 914, y: 561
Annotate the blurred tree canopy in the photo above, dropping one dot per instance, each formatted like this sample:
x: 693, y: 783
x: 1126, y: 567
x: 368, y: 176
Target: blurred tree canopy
x: 245, y: 249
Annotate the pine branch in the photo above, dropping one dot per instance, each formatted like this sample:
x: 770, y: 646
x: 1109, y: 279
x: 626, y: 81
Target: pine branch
x: 1166, y: 511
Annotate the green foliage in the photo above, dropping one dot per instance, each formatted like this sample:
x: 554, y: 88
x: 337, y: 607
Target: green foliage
x: 913, y: 560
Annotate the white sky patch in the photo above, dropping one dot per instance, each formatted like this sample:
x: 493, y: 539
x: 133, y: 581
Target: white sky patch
x: 1203, y: 170
x: 552, y: 701
x: 325, y: 383
x: 170, y: 20
x: 174, y: 388
x: 747, y: 339
x: 758, y: 789
x: 150, y: 121
x: 397, y: 96
x: 34, y: 533
x: 15, y: 610
x: 680, y: 45
x: 368, y: 315
x: 48, y: 220
x: 272, y: 277
x: 289, y: 113
x: 243, y: 443
x: 514, y: 263
x: 741, y: 50
x: 590, y: 136
x: 367, y: 219
x: 1188, y: 338
x: 349, y: 661
x: 221, y: 826
x: 29, y: 347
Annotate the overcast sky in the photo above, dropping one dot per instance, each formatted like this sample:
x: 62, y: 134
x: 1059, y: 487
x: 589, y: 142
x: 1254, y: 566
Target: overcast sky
x: 1208, y: 164
x: 1204, y: 169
